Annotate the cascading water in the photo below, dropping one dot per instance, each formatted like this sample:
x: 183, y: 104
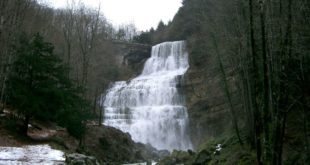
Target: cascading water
x: 149, y: 107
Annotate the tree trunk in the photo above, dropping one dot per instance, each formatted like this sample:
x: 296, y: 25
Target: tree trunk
x: 266, y: 99
x: 227, y: 93
x: 254, y: 77
x: 25, y: 125
x: 281, y: 114
x: 100, y: 117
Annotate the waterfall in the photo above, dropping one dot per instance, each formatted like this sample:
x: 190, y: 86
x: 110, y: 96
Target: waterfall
x: 150, y: 107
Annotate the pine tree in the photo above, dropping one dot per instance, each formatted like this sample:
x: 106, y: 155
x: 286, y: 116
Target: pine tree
x: 39, y: 87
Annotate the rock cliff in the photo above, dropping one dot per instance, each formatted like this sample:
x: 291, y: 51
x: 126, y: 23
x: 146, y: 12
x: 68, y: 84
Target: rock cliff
x: 207, y: 103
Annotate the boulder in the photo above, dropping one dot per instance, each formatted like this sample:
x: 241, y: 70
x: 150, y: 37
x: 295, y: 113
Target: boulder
x: 178, y: 157
x: 80, y: 159
x: 112, y: 146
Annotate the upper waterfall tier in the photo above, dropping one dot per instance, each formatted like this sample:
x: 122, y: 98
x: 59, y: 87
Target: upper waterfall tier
x: 168, y: 58
x: 149, y: 107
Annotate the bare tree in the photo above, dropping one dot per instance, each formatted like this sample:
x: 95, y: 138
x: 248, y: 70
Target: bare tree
x: 11, y: 20
x: 68, y: 29
x: 87, y: 26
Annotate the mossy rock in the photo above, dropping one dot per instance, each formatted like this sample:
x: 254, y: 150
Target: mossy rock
x: 203, y: 157
x: 179, y: 157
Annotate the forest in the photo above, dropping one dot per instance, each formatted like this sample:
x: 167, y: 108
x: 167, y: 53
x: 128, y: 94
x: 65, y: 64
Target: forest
x: 247, y: 87
x: 68, y: 50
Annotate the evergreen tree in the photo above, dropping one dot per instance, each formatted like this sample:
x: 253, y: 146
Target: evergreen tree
x: 144, y: 38
x: 161, y: 26
x: 39, y: 88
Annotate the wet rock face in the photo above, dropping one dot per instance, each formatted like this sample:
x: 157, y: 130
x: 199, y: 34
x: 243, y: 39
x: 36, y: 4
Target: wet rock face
x: 80, y: 159
x: 208, y: 109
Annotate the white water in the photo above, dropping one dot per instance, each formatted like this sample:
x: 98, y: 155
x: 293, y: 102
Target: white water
x: 149, y: 107
x: 31, y: 155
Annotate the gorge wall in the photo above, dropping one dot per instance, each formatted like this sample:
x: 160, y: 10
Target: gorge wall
x: 207, y: 104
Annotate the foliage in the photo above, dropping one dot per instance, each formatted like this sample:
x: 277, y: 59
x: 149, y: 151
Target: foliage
x: 38, y: 86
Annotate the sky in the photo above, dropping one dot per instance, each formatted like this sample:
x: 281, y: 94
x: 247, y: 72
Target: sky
x: 143, y: 13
